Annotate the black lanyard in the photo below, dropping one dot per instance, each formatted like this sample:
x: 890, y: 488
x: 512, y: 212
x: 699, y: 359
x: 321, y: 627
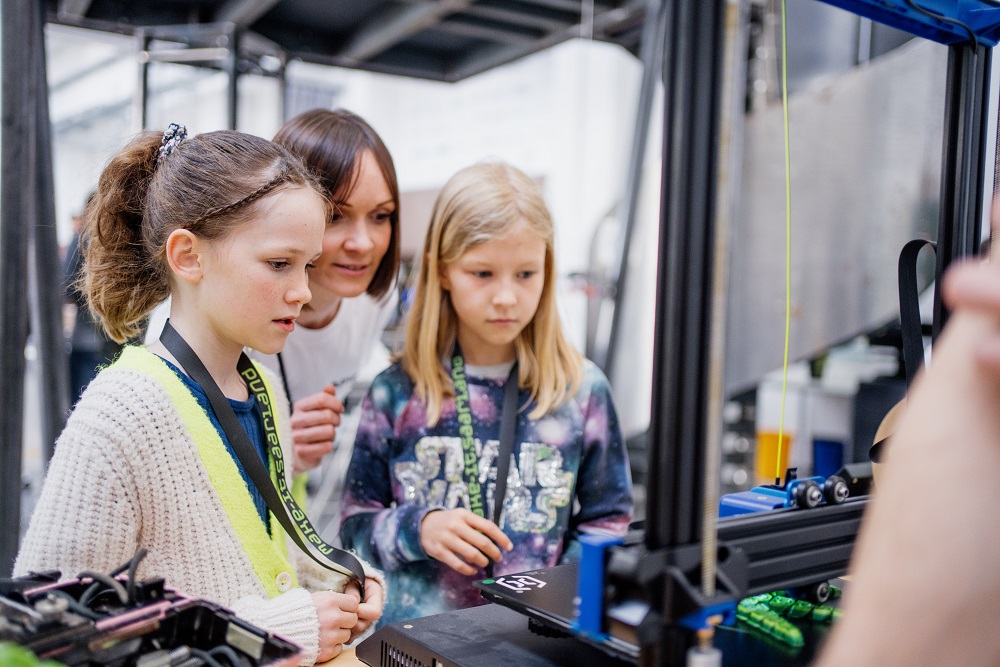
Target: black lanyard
x: 279, y: 500
x: 284, y: 378
x: 508, y: 429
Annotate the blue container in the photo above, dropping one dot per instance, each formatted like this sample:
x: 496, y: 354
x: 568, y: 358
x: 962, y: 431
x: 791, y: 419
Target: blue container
x: 828, y: 457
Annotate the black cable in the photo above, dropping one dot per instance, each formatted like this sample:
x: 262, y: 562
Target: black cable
x: 133, y: 566
x: 121, y: 568
x: 75, y: 605
x: 227, y: 651
x: 108, y: 581
x: 205, y: 657
x: 933, y: 15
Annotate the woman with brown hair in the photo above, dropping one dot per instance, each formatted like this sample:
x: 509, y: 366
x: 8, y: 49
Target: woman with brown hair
x: 353, y: 280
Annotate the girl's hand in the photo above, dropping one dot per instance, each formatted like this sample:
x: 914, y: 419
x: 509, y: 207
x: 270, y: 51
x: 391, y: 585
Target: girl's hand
x: 369, y: 610
x: 338, y: 615
x: 461, y: 540
x: 315, y: 420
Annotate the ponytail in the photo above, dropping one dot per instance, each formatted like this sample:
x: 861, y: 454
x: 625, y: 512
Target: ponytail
x: 122, y: 281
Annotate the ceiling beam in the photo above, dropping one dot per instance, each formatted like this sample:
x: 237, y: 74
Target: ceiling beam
x: 574, y: 6
x: 484, y: 59
x: 488, y: 33
x: 243, y: 13
x: 513, y: 17
x: 395, y: 25
x: 73, y: 8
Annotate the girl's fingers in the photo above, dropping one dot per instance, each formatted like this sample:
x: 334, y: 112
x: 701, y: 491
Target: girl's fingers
x: 469, y: 552
x: 371, y: 608
x: 318, y: 401
x: 454, y: 552
x: 314, y: 450
x: 317, y: 417
x: 483, y: 544
x: 457, y: 564
x: 490, y: 530
x: 462, y: 540
x: 331, y: 643
x: 314, y: 434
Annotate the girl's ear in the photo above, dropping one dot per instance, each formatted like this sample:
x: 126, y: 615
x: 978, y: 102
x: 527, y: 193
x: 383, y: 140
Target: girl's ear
x: 183, y: 252
x: 443, y: 277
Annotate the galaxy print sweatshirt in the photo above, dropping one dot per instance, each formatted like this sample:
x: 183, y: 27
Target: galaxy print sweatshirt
x: 568, y: 475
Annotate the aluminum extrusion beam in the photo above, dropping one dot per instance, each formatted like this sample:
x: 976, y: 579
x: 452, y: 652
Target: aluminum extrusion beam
x: 21, y: 42
x: 48, y: 297
x: 963, y: 164
x: 692, y: 67
x: 788, y: 548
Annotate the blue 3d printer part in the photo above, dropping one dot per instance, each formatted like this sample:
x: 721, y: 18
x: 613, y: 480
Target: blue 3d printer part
x: 592, y: 609
x: 804, y: 493
x: 590, y: 585
x: 943, y: 21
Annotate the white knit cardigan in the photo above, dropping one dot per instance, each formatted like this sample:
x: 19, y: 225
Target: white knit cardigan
x: 139, y: 464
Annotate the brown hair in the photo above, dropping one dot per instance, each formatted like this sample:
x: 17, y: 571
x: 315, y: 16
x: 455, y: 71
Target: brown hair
x: 480, y: 203
x: 331, y: 143
x: 206, y: 184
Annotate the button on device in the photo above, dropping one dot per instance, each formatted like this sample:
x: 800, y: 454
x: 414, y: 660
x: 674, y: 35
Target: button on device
x: 283, y: 581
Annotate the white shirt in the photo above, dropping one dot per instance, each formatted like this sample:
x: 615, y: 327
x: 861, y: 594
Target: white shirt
x: 343, y: 352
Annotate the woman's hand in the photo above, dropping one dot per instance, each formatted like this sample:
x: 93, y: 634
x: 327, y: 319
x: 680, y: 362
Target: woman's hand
x: 461, y: 540
x: 369, y: 610
x: 338, y: 615
x: 315, y: 419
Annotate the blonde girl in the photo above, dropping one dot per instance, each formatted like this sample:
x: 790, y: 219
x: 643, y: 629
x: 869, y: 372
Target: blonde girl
x: 419, y: 494
x: 227, y: 225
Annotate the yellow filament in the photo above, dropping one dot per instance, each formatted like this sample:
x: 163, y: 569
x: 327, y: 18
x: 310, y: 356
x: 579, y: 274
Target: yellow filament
x: 788, y: 240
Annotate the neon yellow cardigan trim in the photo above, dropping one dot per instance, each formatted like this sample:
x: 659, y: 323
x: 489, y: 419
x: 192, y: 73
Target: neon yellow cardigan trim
x: 268, y: 554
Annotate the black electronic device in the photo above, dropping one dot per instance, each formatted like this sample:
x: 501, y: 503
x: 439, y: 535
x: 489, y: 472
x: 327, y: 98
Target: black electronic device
x: 548, y: 597
x: 484, y: 636
x: 115, y: 621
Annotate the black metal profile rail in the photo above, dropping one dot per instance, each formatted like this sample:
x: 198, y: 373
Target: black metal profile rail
x: 789, y: 548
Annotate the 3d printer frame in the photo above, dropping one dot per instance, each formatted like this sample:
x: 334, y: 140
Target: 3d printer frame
x: 777, y: 549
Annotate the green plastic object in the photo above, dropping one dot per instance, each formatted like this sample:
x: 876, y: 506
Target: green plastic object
x: 793, y: 608
x: 759, y: 616
x: 12, y: 655
x: 769, y: 612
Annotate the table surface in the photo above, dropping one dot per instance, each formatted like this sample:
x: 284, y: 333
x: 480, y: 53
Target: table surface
x: 345, y: 659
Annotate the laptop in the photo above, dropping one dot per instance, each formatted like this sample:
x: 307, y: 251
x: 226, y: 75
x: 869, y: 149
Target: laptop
x: 548, y: 597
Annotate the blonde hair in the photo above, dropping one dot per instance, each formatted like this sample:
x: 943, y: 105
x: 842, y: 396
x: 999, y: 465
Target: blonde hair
x: 478, y: 204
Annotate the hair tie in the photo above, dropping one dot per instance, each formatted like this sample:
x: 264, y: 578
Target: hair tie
x: 173, y: 136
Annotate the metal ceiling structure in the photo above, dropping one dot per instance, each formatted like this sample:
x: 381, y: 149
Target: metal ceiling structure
x: 442, y: 40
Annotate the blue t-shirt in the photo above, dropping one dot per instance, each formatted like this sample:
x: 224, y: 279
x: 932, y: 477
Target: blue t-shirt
x: 248, y: 414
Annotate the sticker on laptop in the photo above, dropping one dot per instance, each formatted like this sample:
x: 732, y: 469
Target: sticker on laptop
x: 519, y: 583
